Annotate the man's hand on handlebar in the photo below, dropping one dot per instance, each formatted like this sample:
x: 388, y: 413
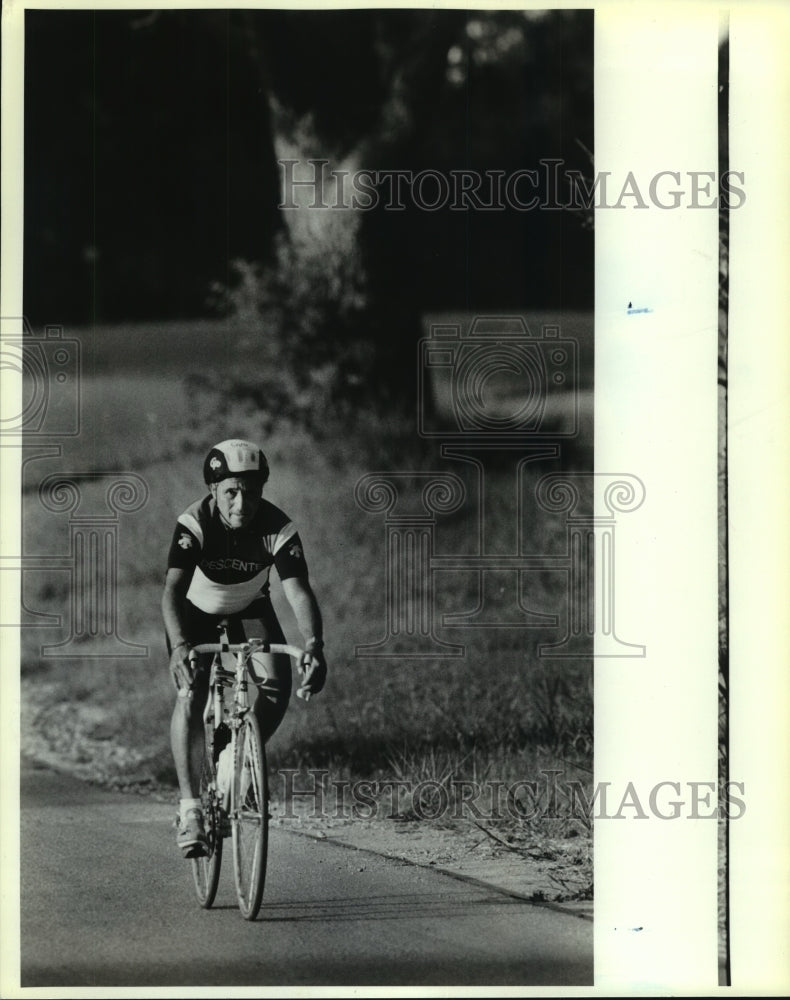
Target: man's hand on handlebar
x: 182, y: 669
x: 313, y: 669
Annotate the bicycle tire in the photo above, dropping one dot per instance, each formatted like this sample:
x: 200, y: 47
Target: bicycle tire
x: 250, y: 817
x: 206, y: 869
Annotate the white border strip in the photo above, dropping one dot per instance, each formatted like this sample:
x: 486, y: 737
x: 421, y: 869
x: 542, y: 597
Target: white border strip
x: 759, y: 423
x: 656, y: 419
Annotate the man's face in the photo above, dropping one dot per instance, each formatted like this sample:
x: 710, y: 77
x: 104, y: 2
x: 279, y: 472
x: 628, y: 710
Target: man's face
x: 238, y: 500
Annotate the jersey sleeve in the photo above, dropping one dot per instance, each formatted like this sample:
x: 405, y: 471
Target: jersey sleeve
x: 184, y: 549
x: 289, y: 559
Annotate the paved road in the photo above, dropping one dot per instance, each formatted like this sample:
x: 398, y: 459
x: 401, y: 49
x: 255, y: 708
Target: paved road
x: 106, y: 900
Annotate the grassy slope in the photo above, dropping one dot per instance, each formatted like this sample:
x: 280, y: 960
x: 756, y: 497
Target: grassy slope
x: 499, y: 711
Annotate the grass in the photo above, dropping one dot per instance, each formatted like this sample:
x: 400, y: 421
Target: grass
x: 499, y: 712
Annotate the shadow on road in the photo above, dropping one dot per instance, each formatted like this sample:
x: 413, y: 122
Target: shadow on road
x: 406, y: 907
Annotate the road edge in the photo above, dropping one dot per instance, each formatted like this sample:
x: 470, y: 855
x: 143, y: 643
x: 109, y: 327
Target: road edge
x: 459, y: 876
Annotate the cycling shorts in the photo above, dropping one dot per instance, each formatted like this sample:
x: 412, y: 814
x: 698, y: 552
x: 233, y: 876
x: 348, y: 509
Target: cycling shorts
x: 202, y: 627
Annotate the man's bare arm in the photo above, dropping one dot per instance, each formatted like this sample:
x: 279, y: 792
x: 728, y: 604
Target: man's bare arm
x: 174, y: 599
x: 305, y: 607
x: 308, y: 617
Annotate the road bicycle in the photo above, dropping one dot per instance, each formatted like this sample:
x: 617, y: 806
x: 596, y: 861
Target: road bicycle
x: 234, y: 788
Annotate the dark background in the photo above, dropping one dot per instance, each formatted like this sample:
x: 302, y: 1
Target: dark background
x: 150, y: 164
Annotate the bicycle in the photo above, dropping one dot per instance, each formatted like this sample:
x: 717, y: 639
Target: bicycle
x: 234, y: 789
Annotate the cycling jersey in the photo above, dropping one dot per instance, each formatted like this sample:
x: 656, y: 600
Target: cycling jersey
x: 231, y: 565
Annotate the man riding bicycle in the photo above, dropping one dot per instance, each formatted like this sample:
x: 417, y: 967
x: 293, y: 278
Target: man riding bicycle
x: 218, y: 568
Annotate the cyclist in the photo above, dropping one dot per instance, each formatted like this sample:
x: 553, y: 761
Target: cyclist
x: 222, y: 551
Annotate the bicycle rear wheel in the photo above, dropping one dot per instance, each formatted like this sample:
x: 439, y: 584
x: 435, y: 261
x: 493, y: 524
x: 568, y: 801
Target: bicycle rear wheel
x: 205, y: 870
x: 250, y: 817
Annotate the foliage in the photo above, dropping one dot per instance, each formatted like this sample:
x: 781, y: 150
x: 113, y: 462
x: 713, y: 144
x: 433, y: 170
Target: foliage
x: 309, y: 301
x: 497, y: 704
x: 340, y: 297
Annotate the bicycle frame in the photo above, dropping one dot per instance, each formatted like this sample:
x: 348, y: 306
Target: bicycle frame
x: 222, y: 677
x: 244, y: 740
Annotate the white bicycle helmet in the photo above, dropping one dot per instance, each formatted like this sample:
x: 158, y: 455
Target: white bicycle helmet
x: 235, y: 458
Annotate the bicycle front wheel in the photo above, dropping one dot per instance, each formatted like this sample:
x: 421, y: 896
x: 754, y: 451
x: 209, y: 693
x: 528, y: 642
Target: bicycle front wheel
x: 250, y: 817
x: 205, y: 870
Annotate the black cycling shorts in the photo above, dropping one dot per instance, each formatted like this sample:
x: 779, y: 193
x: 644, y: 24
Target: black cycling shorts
x: 203, y: 627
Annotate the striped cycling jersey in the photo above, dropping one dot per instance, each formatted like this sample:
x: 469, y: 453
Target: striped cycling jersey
x: 231, y: 565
